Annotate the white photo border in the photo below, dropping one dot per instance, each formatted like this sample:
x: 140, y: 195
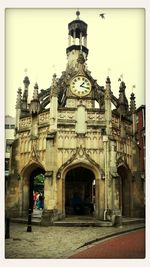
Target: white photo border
x: 73, y: 4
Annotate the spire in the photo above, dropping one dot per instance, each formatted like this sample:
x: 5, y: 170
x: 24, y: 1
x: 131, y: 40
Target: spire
x: 54, y: 89
x: 132, y: 103
x: 18, y: 101
x: 108, y: 112
x: 35, y: 103
x: 108, y: 88
x: 35, y: 92
x: 123, y: 102
x: 26, y: 82
x: 25, y: 93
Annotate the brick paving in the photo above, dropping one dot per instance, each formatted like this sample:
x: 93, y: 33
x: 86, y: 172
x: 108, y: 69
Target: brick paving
x: 53, y: 242
x: 126, y: 246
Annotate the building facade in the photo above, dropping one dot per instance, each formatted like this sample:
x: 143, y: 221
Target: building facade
x: 140, y: 136
x: 9, y: 138
x: 70, y: 133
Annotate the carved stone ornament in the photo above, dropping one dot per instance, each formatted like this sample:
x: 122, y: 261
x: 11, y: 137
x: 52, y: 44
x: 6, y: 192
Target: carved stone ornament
x: 114, y: 173
x: 82, y: 154
x: 34, y: 154
x: 122, y: 161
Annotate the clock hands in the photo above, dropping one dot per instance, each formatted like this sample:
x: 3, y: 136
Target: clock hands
x: 82, y: 85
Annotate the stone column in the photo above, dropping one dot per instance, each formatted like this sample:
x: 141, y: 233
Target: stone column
x: 116, y: 212
x: 48, y: 193
x: 50, y: 213
x: 18, y: 109
x: 74, y: 37
x: 53, y: 105
x: 109, y: 193
x: 109, y: 178
x: 108, y: 112
x: 80, y: 40
x: 85, y: 41
x: 34, y: 129
x: 105, y: 140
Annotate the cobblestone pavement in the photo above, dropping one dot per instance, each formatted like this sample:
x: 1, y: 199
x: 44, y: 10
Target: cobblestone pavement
x: 53, y: 242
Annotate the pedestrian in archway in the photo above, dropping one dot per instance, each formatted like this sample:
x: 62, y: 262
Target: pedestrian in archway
x: 40, y: 201
x: 34, y: 199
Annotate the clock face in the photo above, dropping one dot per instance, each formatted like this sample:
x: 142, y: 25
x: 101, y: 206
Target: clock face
x: 80, y: 86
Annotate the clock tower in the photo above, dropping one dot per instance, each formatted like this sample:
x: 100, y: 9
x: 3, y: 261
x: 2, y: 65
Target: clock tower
x: 78, y: 86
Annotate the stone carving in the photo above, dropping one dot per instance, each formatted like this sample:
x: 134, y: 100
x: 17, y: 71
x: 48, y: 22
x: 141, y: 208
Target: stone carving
x: 95, y: 116
x: 34, y: 153
x: 44, y: 118
x: 122, y: 161
x: 25, y: 122
x: 82, y: 154
x: 66, y: 115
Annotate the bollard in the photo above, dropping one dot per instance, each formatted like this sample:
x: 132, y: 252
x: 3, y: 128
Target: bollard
x: 7, y: 228
x: 29, y: 228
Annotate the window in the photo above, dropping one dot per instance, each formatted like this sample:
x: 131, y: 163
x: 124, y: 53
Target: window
x: 8, y: 148
x: 6, y: 164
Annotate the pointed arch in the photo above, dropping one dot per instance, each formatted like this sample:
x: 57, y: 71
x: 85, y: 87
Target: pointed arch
x: 27, y: 174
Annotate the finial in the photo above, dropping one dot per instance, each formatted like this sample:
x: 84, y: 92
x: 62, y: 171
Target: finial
x: 122, y: 87
x: 36, y: 86
x: 54, y: 86
x: 132, y: 103
x: 54, y: 76
x: 18, y: 102
x: 108, y: 80
x: 78, y: 14
x: 120, y: 78
x: 26, y: 81
x: 19, y: 91
x: 35, y: 92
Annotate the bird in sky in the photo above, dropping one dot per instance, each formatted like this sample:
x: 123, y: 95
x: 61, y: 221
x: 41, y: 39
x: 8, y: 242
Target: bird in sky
x: 102, y: 15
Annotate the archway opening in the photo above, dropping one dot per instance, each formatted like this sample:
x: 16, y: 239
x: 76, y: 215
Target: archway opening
x: 36, y: 189
x: 124, y: 191
x: 79, y: 192
x: 33, y: 182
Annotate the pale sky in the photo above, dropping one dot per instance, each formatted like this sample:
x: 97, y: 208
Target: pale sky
x: 36, y: 40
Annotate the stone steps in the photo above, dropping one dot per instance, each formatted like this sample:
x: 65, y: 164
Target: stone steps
x: 80, y: 221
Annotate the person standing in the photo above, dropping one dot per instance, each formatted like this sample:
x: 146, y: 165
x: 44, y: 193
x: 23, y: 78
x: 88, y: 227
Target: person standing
x: 40, y: 201
x: 34, y: 199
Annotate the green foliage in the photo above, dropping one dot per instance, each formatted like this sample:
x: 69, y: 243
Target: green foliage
x: 39, y: 179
